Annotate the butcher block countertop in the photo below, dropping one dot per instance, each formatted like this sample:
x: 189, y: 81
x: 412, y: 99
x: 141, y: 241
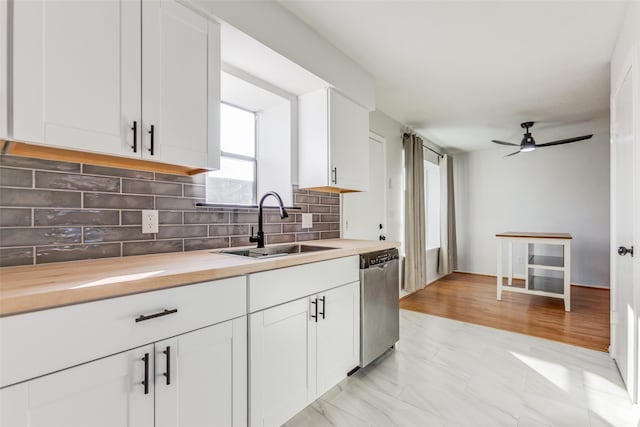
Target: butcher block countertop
x: 38, y: 287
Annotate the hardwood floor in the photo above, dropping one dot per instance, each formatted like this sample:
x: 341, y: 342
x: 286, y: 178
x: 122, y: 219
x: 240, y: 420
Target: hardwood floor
x: 472, y: 298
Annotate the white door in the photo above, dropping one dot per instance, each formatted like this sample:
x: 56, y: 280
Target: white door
x: 363, y: 213
x: 76, y: 74
x: 282, y: 362
x: 348, y: 143
x: 624, y: 317
x: 4, y: 68
x: 181, y: 85
x: 338, y: 342
x: 106, y: 393
x: 198, y: 380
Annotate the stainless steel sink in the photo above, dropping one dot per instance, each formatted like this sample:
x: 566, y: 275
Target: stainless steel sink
x: 276, y: 251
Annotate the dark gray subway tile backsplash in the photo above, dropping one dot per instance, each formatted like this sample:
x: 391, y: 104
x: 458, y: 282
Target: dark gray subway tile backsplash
x: 15, y: 217
x: 53, y: 211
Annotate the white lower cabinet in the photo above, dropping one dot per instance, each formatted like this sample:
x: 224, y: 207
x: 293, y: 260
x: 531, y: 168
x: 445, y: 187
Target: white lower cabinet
x: 194, y: 379
x: 338, y: 335
x: 106, y: 392
x: 200, y: 377
x: 300, y: 349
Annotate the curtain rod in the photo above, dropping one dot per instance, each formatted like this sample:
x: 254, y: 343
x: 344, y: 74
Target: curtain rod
x: 428, y: 148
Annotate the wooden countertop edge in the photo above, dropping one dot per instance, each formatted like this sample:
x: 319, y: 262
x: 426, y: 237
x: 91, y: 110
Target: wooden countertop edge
x: 525, y: 235
x: 34, y: 299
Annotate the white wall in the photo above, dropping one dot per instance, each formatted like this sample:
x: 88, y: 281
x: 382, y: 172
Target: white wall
x: 280, y: 30
x: 392, y: 130
x: 557, y: 189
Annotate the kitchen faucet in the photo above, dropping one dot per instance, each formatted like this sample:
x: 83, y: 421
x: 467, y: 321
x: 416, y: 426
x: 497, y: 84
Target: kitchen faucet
x: 283, y: 214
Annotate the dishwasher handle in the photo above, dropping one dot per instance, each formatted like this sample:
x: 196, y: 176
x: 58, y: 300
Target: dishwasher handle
x: 383, y: 266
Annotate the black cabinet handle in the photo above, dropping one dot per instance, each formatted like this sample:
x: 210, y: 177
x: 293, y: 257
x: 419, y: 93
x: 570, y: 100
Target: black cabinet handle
x: 145, y: 382
x: 315, y: 304
x: 167, y: 374
x: 324, y: 306
x: 151, y: 132
x: 134, y: 128
x: 334, y: 172
x: 143, y: 317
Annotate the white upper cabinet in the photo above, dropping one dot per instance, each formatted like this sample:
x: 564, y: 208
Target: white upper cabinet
x: 180, y: 85
x: 333, y: 143
x: 98, y: 76
x: 76, y: 74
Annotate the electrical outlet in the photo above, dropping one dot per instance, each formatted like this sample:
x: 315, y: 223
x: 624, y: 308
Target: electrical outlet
x: 307, y: 220
x: 149, y: 221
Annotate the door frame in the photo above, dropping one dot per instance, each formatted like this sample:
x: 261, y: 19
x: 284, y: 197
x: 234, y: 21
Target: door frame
x: 381, y: 140
x: 632, y: 68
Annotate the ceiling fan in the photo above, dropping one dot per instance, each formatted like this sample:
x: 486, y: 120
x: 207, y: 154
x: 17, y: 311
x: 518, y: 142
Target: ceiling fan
x: 529, y: 144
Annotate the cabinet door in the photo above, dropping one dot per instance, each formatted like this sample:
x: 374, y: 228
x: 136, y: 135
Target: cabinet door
x: 108, y: 392
x: 201, y: 377
x: 349, y: 143
x: 282, y: 362
x: 338, y: 335
x: 76, y: 74
x: 181, y: 85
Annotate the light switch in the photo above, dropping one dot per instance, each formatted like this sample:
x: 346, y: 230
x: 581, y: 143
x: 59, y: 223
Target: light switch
x: 307, y: 220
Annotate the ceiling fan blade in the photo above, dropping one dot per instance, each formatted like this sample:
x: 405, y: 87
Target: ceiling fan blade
x: 505, y: 143
x: 564, y: 141
x: 513, y: 154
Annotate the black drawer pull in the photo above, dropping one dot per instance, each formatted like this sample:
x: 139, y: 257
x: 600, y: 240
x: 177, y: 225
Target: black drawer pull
x: 134, y: 147
x: 145, y: 382
x: 142, y: 317
x: 324, y: 305
x: 167, y: 374
x: 151, y: 133
x: 315, y: 306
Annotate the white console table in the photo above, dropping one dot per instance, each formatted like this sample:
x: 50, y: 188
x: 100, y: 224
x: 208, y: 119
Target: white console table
x: 548, y: 286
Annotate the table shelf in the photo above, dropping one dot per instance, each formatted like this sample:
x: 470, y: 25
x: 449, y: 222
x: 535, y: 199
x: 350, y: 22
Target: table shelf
x: 546, y: 262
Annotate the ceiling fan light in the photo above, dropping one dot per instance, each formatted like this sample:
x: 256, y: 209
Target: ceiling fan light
x: 528, y: 148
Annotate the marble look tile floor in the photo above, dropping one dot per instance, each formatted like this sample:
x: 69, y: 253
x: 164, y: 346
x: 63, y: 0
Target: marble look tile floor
x: 449, y: 373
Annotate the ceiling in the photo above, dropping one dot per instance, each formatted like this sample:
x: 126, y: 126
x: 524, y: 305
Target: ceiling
x: 464, y: 72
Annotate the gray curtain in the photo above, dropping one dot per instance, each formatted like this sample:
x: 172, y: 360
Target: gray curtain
x: 415, y: 264
x: 448, y: 254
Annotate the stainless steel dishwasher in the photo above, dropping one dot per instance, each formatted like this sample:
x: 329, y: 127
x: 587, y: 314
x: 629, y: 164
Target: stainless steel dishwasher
x: 379, y: 304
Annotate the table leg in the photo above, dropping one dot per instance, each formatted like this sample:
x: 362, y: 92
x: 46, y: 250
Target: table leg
x: 567, y: 276
x: 510, y: 261
x: 499, y: 272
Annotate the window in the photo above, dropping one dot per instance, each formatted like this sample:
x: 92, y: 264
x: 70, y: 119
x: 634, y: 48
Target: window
x: 432, y: 203
x: 235, y: 181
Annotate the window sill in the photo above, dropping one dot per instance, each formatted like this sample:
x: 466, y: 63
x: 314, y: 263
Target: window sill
x: 232, y: 206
